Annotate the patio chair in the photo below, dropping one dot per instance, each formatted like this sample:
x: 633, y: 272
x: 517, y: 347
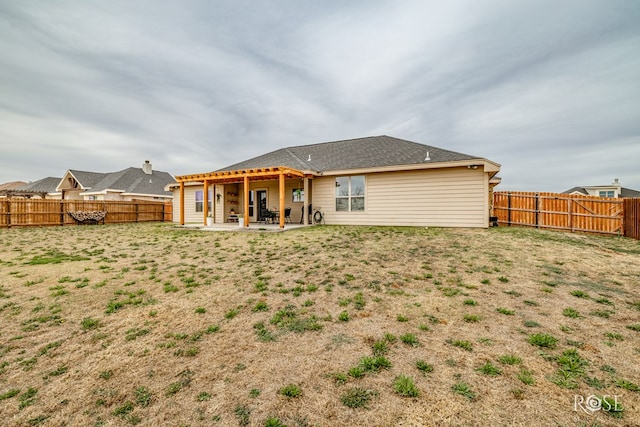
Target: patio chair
x: 267, y: 215
x: 287, y: 215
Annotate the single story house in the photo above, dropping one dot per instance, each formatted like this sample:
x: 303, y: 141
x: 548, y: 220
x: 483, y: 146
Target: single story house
x: 125, y: 185
x: 377, y: 180
x: 613, y: 190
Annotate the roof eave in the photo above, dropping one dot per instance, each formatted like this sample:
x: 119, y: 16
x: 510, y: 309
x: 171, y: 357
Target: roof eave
x: 105, y: 191
x: 488, y: 166
x: 165, y: 196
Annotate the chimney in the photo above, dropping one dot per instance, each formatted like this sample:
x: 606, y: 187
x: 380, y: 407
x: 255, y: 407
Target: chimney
x: 616, y: 181
x: 146, y: 167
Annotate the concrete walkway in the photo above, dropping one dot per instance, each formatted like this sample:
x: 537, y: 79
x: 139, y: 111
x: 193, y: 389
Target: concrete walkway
x: 235, y: 227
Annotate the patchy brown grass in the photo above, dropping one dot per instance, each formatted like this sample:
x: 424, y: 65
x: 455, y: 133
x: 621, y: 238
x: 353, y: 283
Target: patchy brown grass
x: 153, y: 325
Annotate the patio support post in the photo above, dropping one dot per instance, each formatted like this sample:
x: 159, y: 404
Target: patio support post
x: 281, y: 194
x: 181, y: 202
x: 205, y: 206
x: 305, y: 214
x: 246, y: 201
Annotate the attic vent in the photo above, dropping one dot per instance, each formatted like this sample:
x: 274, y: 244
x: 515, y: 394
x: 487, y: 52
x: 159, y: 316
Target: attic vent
x: 309, y: 159
x: 427, y: 158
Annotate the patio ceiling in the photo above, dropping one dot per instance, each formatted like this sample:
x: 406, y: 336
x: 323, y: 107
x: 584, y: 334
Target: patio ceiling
x: 225, y: 177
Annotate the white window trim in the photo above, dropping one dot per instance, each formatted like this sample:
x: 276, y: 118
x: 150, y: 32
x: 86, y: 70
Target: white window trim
x: 350, y: 196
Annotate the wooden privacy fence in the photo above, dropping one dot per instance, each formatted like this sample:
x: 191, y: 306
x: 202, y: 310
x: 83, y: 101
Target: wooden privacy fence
x: 37, y: 212
x: 560, y: 211
x: 632, y: 218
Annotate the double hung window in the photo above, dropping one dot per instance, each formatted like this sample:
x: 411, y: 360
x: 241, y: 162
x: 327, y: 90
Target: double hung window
x: 200, y: 200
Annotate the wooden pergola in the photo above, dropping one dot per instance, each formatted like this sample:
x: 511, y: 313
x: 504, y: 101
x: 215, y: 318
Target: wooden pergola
x: 27, y: 194
x: 281, y: 173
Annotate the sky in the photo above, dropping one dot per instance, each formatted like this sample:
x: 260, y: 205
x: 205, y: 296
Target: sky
x: 548, y: 89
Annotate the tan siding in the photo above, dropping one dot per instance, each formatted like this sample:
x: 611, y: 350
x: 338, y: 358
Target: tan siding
x: 190, y: 214
x: 446, y: 198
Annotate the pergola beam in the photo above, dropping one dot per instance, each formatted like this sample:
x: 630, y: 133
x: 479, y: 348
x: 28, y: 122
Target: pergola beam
x: 240, y: 174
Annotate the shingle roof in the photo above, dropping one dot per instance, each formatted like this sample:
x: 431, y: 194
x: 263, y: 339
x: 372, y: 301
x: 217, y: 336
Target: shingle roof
x: 130, y: 180
x: 628, y: 192
x: 13, y: 185
x: 87, y: 179
x: 360, y: 153
x: 576, y: 189
x: 47, y: 185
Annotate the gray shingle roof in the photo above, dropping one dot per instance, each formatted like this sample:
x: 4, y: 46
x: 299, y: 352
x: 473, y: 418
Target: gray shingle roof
x: 87, y: 179
x: 47, y: 185
x: 360, y: 153
x: 628, y: 192
x: 576, y: 189
x: 130, y: 180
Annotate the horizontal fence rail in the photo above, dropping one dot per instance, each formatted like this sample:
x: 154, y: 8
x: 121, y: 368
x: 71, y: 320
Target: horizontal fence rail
x: 16, y: 212
x: 560, y: 212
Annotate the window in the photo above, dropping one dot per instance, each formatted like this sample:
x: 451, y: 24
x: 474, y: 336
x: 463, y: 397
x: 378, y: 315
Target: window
x: 298, y: 195
x: 350, y: 192
x: 609, y: 193
x: 200, y: 200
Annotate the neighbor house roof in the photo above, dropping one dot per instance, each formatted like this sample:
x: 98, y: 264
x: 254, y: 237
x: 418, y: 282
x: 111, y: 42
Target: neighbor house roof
x: 13, y: 185
x: 629, y: 193
x: 87, y: 179
x: 44, y: 185
x: 360, y: 153
x: 128, y: 181
x: 580, y: 190
x: 41, y: 188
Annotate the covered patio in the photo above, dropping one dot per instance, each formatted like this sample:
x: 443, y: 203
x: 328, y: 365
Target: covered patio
x: 243, y: 178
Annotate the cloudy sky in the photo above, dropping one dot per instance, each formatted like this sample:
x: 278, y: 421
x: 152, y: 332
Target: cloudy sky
x: 548, y: 89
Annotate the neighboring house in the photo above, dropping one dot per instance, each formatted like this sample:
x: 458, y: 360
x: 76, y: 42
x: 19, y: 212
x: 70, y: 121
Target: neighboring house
x: 614, y: 190
x: 377, y: 180
x: 128, y: 184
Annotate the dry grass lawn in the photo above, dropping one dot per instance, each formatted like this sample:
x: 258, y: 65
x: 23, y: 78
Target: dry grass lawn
x: 154, y: 325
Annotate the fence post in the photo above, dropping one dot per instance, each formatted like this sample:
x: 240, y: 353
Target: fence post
x: 164, y: 204
x: 509, y: 209
x: 570, y: 209
x: 61, y: 213
x: 137, y: 211
x: 537, y: 209
x: 8, y: 212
